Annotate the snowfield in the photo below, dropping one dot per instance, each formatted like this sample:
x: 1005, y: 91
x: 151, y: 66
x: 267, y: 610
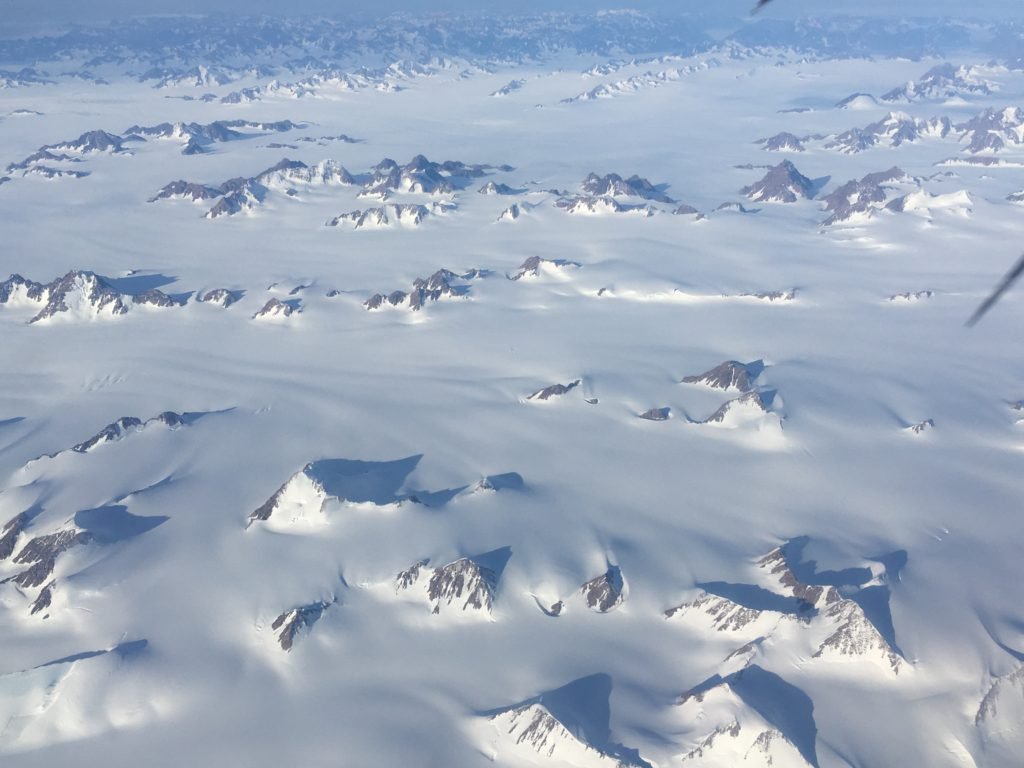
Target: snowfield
x: 418, y: 448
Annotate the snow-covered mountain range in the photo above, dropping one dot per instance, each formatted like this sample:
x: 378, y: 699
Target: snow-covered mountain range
x: 568, y: 390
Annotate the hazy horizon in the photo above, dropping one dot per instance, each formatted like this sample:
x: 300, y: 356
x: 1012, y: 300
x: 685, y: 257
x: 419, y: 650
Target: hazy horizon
x: 21, y: 18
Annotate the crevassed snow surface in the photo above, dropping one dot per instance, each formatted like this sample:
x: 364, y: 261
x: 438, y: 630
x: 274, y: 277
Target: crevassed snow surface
x: 919, y: 535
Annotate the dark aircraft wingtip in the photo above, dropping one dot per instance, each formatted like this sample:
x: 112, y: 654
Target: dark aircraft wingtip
x: 1004, y: 285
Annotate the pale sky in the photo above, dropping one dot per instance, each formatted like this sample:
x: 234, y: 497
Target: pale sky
x: 18, y: 12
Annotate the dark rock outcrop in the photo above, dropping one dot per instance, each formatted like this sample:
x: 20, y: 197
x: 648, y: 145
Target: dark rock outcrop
x: 605, y: 592
x: 555, y: 390
x: 731, y: 374
x: 782, y: 184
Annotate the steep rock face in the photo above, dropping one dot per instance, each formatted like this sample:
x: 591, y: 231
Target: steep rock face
x: 782, y: 142
x: 463, y: 585
x: 535, y: 266
x: 240, y: 195
x: 157, y: 298
x: 858, y: 101
x: 592, y: 205
x: 408, y: 215
x: 555, y: 390
x: 565, y: 727
x: 90, y: 141
x: 991, y: 130
x: 852, y: 635
x: 860, y: 199
x: 911, y: 297
x: 749, y: 407
x: 42, y: 156
x: 110, y: 433
x: 11, y: 531
x: 44, y: 599
x: 778, y: 568
x: 771, y: 296
x: 510, y: 87
x: 513, y: 212
x: 724, y: 615
x: 127, y: 425
x: 288, y: 172
x: 748, y: 718
x: 1002, y: 707
x: 848, y: 633
x: 893, y: 130
x: 82, y: 295
x: 16, y: 290
x: 47, y: 172
x: 730, y: 375
x: 185, y: 190
x: 533, y: 732
x: 300, y: 500
x: 41, y: 555
x: 606, y: 592
x: 921, y: 427
x: 736, y: 207
x: 275, y: 309
x: 613, y: 185
x: 656, y: 414
x: 494, y: 188
x: 463, y: 582
x: 944, y: 81
x: 589, y: 206
x: 222, y: 297
x: 443, y: 284
x: 782, y: 184
x: 297, y: 621
x: 419, y: 175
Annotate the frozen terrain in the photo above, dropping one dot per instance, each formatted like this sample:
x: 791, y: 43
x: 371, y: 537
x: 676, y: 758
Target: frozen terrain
x: 573, y: 392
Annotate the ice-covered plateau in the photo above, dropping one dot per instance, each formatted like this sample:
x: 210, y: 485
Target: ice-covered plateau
x: 569, y: 390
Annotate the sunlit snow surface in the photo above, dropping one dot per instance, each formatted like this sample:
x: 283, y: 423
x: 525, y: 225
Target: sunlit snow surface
x: 383, y: 441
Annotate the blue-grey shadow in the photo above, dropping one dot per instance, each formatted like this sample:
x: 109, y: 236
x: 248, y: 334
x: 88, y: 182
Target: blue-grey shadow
x: 757, y: 599
x: 136, y: 284
x: 806, y: 570
x: 495, y: 560
x: 376, y: 482
x: 782, y: 704
x: 115, y: 523
x: 819, y: 184
x: 894, y: 563
x: 124, y: 650
x: 435, y: 498
x: 583, y: 708
x: 511, y: 481
x: 874, y: 601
